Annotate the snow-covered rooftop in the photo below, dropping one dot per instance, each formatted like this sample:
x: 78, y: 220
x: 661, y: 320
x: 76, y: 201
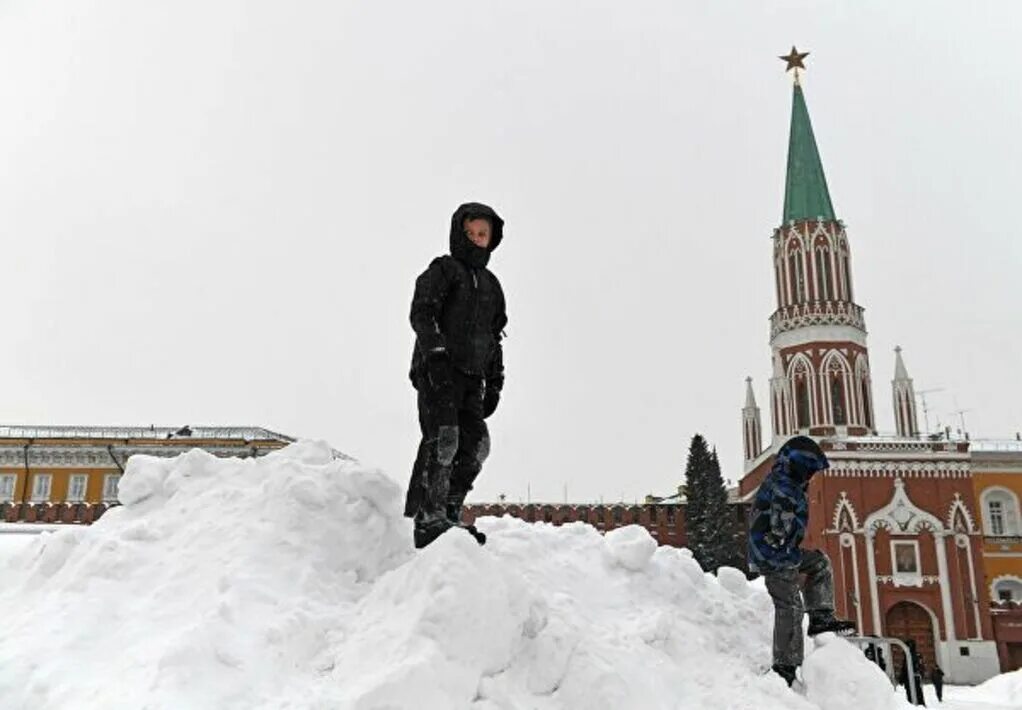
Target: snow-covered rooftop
x: 244, y: 433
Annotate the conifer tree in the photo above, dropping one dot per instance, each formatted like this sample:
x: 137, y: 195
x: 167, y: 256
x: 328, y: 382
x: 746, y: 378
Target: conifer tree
x: 697, y: 469
x: 713, y: 532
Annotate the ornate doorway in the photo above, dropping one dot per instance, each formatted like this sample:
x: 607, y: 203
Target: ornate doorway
x: 906, y: 620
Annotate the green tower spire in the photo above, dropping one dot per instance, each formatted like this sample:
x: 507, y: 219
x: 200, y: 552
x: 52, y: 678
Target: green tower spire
x: 805, y: 191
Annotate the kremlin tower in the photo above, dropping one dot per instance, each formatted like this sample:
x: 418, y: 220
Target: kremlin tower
x: 895, y: 514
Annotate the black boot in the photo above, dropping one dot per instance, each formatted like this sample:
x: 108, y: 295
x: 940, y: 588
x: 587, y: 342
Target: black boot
x: 821, y: 622
x: 428, y: 528
x: 431, y: 519
x: 786, y: 672
x: 455, y: 503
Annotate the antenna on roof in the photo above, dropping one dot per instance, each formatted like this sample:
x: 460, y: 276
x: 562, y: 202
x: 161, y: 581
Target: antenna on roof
x: 926, y: 410
x: 961, y: 417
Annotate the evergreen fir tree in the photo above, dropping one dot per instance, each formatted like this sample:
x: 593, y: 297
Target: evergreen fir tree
x: 713, y: 532
x: 697, y: 469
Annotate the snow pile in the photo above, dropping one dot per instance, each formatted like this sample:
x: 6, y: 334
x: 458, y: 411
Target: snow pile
x: 290, y: 582
x: 998, y: 688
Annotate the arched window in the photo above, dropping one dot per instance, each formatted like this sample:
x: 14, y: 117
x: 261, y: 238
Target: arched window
x: 1000, y: 512
x: 1008, y: 590
x: 797, y: 275
x: 846, y: 272
x: 777, y: 280
x: 867, y: 411
x: 802, y: 401
x: 837, y: 397
x: 824, y: 273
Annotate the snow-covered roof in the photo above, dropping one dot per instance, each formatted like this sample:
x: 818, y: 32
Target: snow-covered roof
x: 244, y: 433
x: 995, y: 445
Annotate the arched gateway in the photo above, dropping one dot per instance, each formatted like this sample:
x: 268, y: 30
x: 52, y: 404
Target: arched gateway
x: 907, y: 620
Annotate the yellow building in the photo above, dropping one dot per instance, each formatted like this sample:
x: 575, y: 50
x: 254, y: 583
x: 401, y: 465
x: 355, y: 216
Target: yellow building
x: 997, y: 481
x: 69, y: 474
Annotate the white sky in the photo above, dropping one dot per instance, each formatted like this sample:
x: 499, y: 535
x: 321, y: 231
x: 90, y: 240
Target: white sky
x: 213, y: 213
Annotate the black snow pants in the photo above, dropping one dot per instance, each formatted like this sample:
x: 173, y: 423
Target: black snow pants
x: 455, y: 443
x: 784, y: 589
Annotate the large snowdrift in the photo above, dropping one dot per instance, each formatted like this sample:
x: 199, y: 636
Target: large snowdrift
x: 290, y: 582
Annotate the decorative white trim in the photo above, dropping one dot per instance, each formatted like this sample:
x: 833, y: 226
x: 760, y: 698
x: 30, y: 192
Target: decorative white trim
x: 848, y: 540
x: 803, y: 325
x: 945, y: 585
x: 871, y: 566
x: 923, y: 579
x: 880, y: 468
x: 962, y: 542
x: 901, y: 516
x: 844, y: 504
x: 959, y: 505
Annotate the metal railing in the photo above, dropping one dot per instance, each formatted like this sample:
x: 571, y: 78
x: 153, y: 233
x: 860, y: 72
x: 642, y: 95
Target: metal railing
x: 882, y: 642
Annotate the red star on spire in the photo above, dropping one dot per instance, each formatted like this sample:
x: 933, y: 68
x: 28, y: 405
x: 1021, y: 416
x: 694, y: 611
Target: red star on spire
x: 794, y: 59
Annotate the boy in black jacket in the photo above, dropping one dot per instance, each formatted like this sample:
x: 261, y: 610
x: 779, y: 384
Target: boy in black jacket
x: 458, y: 315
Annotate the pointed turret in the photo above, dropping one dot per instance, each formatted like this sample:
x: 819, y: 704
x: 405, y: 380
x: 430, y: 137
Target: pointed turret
x: 805, y: 192
x: 904, y: 398
x: 821, y: 384
x: 751, y: 432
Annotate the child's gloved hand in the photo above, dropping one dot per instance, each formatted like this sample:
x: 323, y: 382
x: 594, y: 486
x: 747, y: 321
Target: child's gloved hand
x: 438, y: 368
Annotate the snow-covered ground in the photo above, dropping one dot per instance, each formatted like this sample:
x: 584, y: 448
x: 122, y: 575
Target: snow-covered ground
x: 290, y: 582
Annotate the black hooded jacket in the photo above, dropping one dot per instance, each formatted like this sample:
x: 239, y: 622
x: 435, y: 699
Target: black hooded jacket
x: 458, y: 307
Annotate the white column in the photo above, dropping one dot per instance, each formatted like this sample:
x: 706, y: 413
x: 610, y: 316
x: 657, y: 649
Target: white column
x: 963, y: 541
x: 848, y: 540
x: 871, y: 566
x: 945, y: 584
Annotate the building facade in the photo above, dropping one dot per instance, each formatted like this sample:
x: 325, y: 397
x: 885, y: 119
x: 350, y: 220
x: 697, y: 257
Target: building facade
x: 63, y: 474
x: 898, y: 515
x: 997, y: 483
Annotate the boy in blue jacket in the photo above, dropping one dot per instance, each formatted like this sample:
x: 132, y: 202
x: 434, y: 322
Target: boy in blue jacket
x: 777, y: 526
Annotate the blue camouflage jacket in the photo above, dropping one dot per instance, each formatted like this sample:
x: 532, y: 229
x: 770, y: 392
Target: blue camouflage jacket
x: 780, y: 511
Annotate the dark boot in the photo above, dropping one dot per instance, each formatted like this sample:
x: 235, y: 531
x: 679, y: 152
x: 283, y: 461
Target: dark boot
x: 428, y: 529
x: 822, y: 622
x: 786, y: 672
x: 431, y: 519
x: 455, y: 503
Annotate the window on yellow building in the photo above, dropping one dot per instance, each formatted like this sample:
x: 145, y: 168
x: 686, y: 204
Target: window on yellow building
x: 996, y: 511
x: 110, y: 483
x: 41, y: 484
x: 76, y: 487
x: 7, y: 481
x: 1000, y: 512
x: 1008, y: 590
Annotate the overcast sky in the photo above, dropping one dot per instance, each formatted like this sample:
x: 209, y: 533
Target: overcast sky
x: 214, y: 212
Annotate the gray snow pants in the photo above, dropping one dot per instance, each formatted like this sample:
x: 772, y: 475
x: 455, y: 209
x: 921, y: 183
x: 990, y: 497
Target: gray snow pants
x: 784, y: 589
